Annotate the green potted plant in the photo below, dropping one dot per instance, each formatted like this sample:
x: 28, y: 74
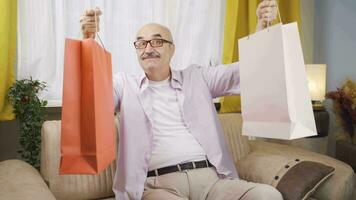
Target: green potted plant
x: 344, y: 107
x: 30, y: 112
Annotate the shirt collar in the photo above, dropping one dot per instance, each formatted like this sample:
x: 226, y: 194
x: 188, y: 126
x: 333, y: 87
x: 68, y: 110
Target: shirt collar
x: 143, y: 80
x: 176, y: 80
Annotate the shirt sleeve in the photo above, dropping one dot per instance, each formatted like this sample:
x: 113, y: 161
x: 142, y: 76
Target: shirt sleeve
x: 118, y: 87
x: 222, y: 80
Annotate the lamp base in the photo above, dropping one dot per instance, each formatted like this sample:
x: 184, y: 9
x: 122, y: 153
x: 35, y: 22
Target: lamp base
x: 318, y: 105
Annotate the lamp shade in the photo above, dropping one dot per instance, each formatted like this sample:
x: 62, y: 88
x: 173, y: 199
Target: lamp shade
x: 316, y: 75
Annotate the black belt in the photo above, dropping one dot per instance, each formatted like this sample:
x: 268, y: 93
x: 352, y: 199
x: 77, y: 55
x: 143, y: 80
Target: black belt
x: 179, y: 167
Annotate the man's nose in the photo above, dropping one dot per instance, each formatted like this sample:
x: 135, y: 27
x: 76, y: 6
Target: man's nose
x: 149, y: 48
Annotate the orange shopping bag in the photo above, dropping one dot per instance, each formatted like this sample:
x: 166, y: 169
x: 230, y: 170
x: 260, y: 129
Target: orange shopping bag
x: 88, y: 129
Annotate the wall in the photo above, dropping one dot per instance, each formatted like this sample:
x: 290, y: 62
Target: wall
x: 335, y: 39
x: 335, y: 45
x: 9, y: 134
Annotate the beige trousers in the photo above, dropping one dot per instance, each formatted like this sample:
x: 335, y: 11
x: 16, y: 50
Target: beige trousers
x: 199, y: 184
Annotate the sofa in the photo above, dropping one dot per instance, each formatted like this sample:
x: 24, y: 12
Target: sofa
x: 256, y: 160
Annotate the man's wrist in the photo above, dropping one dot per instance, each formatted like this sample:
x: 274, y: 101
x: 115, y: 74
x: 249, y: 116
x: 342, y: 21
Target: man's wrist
x: 259, y: 26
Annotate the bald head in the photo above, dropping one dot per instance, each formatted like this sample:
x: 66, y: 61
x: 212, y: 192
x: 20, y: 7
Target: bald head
x: 155, y: 57
x: 154, y: 30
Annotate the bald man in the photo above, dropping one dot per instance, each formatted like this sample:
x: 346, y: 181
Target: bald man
x: 171, y: 143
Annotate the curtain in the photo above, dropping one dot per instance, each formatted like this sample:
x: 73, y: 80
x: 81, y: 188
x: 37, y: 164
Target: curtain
x: 307, y: 9
x: 7, y: 54
x: 240, y: 21
x: 196, y: 25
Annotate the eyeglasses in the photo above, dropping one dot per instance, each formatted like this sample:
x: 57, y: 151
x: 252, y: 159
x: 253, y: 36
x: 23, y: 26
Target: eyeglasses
x: 142, y: 44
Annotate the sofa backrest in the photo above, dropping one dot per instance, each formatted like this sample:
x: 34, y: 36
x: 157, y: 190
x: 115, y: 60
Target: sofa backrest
x: 232, y: 128
x: 100, y: 186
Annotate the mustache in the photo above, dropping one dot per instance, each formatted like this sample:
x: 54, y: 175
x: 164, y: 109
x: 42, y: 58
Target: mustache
x: 150, y: 55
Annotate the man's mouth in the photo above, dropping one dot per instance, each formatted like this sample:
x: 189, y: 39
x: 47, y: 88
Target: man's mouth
x: 148, y: 58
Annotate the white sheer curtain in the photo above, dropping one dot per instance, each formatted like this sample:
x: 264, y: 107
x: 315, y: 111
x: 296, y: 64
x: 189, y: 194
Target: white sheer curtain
x: 43, y: 25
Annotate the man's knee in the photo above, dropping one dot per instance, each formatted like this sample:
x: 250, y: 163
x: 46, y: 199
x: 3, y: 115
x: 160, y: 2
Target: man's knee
x: 263, y: 192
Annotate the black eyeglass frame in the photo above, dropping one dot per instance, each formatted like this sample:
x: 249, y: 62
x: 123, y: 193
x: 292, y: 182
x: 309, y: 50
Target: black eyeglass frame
x: 149, y: 41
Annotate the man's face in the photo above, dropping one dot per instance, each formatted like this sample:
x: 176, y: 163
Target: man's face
x: 158, y: 57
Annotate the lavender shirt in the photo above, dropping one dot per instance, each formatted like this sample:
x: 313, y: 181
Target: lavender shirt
x: 196, y: 87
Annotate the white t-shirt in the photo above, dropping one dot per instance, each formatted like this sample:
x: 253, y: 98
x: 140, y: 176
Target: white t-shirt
x: 172, y: 141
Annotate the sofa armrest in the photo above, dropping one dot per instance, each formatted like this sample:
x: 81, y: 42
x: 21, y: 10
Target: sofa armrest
x: 260, y: 165
x: 19, y: 180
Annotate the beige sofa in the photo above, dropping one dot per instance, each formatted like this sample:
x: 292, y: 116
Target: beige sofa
x: 255, y: 160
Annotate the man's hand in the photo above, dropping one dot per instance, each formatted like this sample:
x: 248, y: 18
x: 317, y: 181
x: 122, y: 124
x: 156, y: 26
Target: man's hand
x: 266, y: 13
x: 89, y: 24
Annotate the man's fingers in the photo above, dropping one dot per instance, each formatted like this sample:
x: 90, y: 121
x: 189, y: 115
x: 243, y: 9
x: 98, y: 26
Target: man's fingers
x: 90, y: 26
x: 91, y: 30
x: 267, y: 19
x: 93, y: 12
x: 89, y: 35
x: 268, y: 16
x: 269, y: 10
x: 261, y: 11
x: 89, y: 19
x: 266, y: 10
x: 89, y: 22
x: 98, y: 11
x: 84, y: 26
x: 89, y: 12
x: 268, y: 3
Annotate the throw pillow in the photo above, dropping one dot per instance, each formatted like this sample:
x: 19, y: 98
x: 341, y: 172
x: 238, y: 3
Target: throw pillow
x: 295, y: 178
x: 301, y: 180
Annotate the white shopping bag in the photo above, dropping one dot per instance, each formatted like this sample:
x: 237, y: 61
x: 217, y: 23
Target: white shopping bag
x: 274, y: 94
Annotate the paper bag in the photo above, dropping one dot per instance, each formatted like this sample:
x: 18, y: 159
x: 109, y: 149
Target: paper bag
x: 88, y: 129
x: 274, y: 94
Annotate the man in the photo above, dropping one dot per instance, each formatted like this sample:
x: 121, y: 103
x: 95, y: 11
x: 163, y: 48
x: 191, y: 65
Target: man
x: 171, y: 144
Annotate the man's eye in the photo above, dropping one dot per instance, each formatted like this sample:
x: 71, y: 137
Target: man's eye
x: 156, y: 42
x: 141, y: 43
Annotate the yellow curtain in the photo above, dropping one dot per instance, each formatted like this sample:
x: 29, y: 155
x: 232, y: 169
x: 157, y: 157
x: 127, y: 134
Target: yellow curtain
x: 240, y: 21
x: 8, y: 23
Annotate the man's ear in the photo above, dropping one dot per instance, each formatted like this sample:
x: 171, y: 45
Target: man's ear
x: 172, y: 49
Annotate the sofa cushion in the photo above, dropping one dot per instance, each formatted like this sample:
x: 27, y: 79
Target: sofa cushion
x: 301, y: 180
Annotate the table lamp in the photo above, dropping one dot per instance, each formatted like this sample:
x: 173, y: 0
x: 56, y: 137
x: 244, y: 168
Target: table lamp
x: 316, y: 75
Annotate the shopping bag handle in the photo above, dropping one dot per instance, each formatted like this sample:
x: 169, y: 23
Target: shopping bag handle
x: 279, y: 17
x: 96, y: 30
